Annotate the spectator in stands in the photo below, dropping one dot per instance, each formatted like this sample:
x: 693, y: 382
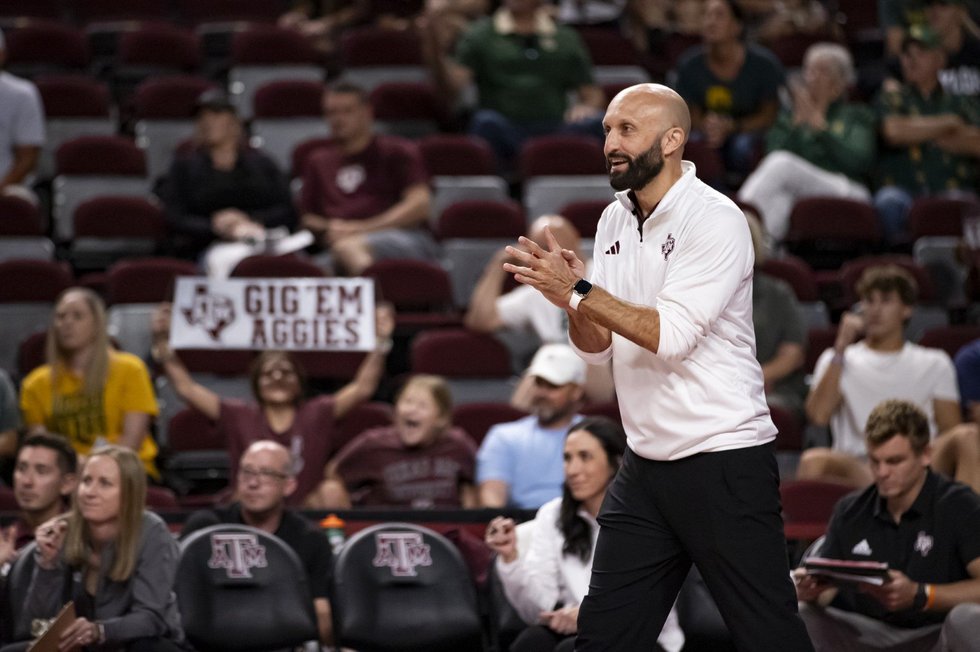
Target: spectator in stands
x: 491, y: 309
x: 821, y: 146
x: 366, y: 196
x: 731, y: 87
x: 265, y: 480
x: 932, y: 138
x: 44, y: 478
x: 9, y: 416
x: 547, y: 581
x: 768, y: 20
x: 650, y: 23
x: 852, y: 377
x: 967, y: 363
x: 924, y: 526
x: 960, y: 37
x: 963, y: 445
x: 523, y: 311
x: 321, y: 21
x: 442, y: 22
x: 87, y: 391
x: 520, y: 463
x: 280, y: 411
x: 780, y: 332
x: 223, y: 191
x: 21, y: 131
x: 421, y: 461
x: 516, y: 54
x: 114, y: 559
x: 895, y: 18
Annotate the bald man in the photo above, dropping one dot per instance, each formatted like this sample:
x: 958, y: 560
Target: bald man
x: 669, y: 300
x: 265, y: 479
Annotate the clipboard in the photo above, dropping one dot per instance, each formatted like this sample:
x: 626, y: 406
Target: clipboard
x: 49, y: 640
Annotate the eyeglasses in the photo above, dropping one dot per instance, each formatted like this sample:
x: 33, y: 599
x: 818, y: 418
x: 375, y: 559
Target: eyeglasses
x: 264, y: 476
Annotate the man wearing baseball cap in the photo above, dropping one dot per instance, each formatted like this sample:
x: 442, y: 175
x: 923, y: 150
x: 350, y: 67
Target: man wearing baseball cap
x: 520, y: 464
x: 931, y: 138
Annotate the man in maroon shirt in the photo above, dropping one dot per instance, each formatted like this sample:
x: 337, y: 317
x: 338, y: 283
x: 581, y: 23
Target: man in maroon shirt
x: 365, y: 195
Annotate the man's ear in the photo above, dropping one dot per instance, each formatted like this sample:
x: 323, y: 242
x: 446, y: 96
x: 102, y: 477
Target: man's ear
x: 290, y: 486
x: 672, y: 141
x: 907, y: 312
x: 926, y: 455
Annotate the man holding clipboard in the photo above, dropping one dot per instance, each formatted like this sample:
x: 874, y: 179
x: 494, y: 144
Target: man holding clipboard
x: 925, y: 527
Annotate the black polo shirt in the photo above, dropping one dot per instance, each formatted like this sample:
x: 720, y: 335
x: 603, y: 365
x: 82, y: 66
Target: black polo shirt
x: 309, y: 543
x: 935, y: 540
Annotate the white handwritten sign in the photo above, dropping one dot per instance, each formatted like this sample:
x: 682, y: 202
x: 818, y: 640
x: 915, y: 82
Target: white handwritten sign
x: 293, y: 314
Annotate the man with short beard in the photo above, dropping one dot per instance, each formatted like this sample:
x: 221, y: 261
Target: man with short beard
x: 670, y: 302
x: 521, y: 463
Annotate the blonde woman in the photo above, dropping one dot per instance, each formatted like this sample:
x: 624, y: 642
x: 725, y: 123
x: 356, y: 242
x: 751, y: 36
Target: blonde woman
x: 115, y: 560
x: 88, y: 392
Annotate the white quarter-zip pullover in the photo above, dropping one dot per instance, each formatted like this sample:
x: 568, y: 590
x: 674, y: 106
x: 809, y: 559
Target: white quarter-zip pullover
x: 692, y: 260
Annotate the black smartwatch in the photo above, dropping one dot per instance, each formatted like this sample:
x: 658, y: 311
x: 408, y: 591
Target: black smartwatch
x: 580, y: 290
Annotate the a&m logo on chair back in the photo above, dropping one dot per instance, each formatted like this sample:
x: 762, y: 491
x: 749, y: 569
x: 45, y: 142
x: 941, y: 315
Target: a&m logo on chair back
x: 401, y: 552
x: 237, y: 553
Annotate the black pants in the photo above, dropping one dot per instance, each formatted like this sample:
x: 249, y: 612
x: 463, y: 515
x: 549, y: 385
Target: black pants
x: 718, y: 510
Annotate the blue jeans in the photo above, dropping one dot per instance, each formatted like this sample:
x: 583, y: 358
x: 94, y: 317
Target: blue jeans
x: 892, y: 205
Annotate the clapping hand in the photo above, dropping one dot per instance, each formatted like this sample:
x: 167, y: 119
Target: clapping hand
x: 501, y: 537
x: 50, y: 536
x: 8, y: 544
x: 552, y: 271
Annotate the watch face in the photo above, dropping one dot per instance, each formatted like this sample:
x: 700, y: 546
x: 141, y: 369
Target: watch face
x: 582, y: 287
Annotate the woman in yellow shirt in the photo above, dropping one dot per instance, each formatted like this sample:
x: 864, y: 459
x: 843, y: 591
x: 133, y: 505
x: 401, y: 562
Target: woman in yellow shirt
x: 87, y: 391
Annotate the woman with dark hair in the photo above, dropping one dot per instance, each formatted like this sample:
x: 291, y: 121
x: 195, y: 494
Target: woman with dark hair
x: 87, y: 391
x: 114, y: 559
x: 281, y: 411
x: 546, y: 583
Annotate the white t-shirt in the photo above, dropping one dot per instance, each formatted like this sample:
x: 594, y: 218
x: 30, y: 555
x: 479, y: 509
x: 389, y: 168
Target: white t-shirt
x: 914, y: 373
x: 703, y: 390
x: 21, y: 117
x: 524, y: 308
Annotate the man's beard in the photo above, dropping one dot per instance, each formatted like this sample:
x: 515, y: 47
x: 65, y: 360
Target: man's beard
x: 547, y: 414
x: 639, y: 171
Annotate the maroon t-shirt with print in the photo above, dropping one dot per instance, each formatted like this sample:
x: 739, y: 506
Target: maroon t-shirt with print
x: 379, y: 470
x: 310, y: 439
x: 361, y: 185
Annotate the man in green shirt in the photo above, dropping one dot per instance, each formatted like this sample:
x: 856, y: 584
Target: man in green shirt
x: 822, y: 146
x: 932, y: 138
x: 523, y: 65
